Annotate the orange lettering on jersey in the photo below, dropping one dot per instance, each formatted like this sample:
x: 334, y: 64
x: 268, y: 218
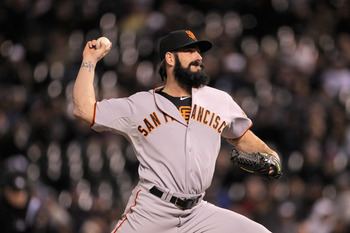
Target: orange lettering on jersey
x: 223, y: 124
x: 155, y: 119
x: 142, y: 130
x: 193, y: 116
x: 216, y: 124
x: 207, y: 112
x: 165, y: 117
x: 203, y: 115
x: 185, y: 112
x: 211, y: 119
x: 149, y: 126
x: 200, y: 114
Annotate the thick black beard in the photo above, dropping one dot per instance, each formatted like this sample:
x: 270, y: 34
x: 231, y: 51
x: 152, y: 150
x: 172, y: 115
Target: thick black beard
x: 188, y: 78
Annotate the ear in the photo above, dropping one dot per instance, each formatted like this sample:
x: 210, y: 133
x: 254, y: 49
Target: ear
x: 170, y: 58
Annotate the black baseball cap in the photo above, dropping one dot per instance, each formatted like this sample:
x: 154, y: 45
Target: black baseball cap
x: 180, y: 39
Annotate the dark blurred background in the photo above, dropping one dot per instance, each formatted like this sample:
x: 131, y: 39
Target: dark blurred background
x: 286, y: 62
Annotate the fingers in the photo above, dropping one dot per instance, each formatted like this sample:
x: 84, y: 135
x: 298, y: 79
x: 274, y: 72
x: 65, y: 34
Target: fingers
x: 96, y: 53
x: 106, y: 48
x: 274, y: 173
x: 92, y: 44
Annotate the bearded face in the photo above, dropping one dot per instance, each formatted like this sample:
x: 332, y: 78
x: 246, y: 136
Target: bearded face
x: 189, y: 78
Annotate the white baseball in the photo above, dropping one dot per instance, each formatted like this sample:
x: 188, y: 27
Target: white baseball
x: 105, y: 41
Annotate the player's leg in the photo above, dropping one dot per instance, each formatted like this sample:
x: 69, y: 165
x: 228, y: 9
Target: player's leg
x: 146, y: 213
x: 209, y: 218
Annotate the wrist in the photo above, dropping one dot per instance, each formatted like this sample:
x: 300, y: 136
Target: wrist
x: 88, y: 64
x: 276, y: 155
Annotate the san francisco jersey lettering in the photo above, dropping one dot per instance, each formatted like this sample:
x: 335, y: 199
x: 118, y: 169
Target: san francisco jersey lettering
x: 201, y: 116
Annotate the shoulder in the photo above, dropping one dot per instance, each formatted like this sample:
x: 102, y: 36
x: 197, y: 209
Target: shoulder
x: 141, y: 95
x: 211, y: 91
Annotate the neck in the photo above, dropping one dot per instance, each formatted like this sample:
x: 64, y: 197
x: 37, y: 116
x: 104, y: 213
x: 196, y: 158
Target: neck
x: 176, y: 90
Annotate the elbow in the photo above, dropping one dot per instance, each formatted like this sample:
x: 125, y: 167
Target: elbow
x: 76, y: 113
x: 85, y: 114
x: 76, y: 110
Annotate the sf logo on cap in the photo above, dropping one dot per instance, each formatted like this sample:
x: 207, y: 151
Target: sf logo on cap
x: 190, y: 34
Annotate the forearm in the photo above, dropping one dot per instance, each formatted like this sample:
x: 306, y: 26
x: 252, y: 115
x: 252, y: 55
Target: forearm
x: 250, y: 143
x: 83, y: 93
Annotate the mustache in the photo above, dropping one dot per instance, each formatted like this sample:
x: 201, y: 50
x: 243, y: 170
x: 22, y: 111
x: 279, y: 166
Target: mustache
x: 196, y: 63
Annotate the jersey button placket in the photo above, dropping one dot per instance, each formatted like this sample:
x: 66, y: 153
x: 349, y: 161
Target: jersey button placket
x: 188, y: 155
x: 188, y: 143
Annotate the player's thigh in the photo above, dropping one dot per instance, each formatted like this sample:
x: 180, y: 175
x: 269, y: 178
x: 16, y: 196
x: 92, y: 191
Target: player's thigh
x: 136, y: 224
x: 146, y: 213
x: 210, y: 218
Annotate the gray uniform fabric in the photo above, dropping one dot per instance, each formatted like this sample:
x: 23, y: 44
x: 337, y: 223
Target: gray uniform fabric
x: 174, y: 155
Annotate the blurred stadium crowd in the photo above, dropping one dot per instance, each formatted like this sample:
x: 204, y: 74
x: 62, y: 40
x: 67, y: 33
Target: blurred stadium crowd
x: 286, y: 62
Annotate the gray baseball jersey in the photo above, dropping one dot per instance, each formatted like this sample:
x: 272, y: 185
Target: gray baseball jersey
x: 174, y: 154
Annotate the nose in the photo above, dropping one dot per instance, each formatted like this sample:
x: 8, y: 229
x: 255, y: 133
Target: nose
x: 198, y: 56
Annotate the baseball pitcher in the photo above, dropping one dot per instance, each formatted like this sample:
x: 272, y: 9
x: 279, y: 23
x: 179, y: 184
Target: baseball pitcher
x: 176, y: 132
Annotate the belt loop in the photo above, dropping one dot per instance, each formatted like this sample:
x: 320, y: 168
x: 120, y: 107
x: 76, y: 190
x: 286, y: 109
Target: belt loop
x: 167, y: 195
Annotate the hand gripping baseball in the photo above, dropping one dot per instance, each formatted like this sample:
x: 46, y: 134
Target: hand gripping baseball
x: 257, y: 163
x: 97, y: 49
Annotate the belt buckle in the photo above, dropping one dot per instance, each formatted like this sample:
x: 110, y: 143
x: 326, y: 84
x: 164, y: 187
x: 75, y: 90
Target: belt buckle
x: 177, y: 204
x: 184, y: 204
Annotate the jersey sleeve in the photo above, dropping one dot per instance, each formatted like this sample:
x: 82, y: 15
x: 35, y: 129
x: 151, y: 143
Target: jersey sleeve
x: 238, y: 122
x: 113, y: 115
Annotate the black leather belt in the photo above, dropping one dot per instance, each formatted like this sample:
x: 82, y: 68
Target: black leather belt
x: 181, y: 203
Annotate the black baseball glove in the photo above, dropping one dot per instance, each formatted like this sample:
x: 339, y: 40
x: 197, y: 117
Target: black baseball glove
x: 257, y: 163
